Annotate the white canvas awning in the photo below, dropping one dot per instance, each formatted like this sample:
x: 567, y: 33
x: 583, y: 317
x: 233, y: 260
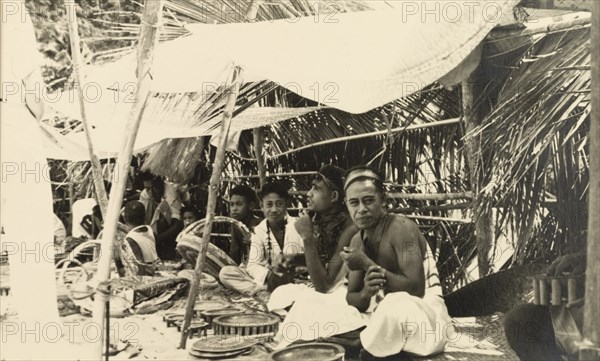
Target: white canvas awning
x: 351, y: 61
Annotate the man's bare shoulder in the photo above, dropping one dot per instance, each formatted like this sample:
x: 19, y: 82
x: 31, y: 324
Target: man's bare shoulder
x: 356, y: 241
x: 349, y: 227
x: 403, y: 230
x: 402, y: 223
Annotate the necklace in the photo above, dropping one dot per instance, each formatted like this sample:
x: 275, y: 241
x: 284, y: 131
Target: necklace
x: 269, y: 252
x: 326, y: 230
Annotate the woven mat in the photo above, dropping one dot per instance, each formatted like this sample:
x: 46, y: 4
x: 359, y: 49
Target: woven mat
x: 484, y: 337
x: 478, y: 339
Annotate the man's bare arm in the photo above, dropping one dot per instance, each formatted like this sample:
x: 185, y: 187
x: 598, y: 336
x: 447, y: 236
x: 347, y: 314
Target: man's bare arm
x: 357, y: 295
x: 324, y: 277
x: 409, y: 275
x: 170, y: 233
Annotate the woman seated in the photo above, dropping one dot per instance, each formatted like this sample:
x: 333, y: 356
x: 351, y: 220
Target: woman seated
x: 140, y: 240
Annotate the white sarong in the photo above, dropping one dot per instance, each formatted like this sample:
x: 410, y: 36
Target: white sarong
x: 315, y: 315
x: 402, y: 322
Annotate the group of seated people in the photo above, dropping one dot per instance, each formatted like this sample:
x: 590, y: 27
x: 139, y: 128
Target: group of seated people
x: 370, y: 271
x: 345, y: 265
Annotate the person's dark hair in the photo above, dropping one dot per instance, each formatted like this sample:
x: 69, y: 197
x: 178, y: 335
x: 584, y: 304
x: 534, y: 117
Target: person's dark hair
x: 275, y: 187
x: 244, y: 191
x: 134, y: 213
x: 377, y: 178
x: 333, y: 176
x: 188, y: 208
x: 96, y: 211
x: 159, y: 184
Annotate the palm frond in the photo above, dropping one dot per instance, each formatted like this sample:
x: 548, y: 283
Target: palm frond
x: 540, y: 124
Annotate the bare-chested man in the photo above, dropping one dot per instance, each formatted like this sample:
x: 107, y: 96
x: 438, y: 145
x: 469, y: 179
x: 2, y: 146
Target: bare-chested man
x: 328, y: 231
x: 325, y: 231
x: 393, y: 278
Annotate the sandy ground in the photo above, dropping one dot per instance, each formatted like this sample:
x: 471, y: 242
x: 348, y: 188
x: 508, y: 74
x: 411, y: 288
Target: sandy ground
x: 147, y: 334
x: 147, y: 337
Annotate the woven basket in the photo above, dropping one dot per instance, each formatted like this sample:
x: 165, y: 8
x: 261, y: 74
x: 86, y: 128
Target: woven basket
x: 190, y: 240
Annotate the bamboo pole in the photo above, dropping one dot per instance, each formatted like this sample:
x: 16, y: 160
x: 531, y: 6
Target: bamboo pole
x: 440, y: 123
x: 484, y: 228
x: 76, y: 56
x: 289, y: 174
x: 547, y: 25
x: 443, y: 207
x: 590, y: 347
x: 430, y: 196
x: 149, y: 34
x: 414, y: 196
x: 71, y: 201
x: 440, y: 219
x: 233, y: 88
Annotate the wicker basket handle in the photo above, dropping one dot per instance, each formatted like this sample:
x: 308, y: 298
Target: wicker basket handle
x: 198, y: 227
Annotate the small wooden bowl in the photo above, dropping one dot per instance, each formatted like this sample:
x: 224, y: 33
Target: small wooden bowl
x: 196, y: 328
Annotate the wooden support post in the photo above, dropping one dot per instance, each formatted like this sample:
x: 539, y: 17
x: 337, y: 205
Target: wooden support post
x: 259, y: 140
x: 77, y: 63
x: 590, y: 348
x: 149, y: 34
x: 233, y: 88
x: 71, y: 201
x: 484, y: 229
x: 252, y: 10
x: 257, y: 133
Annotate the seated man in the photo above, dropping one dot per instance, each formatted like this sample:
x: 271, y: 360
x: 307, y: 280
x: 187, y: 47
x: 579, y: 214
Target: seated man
x: 140, y: 239
x: 393, y: 279
x: 242, y: 200
x: 82, y: 213
x: 539, y: 332
x: 159, y: 217
x: 393, y: 288
x: 273, y: 237
x: 325, y: 231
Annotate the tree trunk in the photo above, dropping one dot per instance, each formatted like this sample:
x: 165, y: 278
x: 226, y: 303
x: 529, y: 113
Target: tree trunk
x: 484, y: 228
